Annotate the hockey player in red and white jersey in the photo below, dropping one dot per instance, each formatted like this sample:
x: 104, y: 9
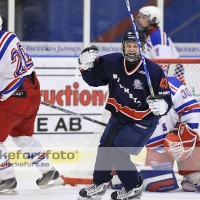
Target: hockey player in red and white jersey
x: 158, y: 44
x: 19, y: 103
x: 176, y: 136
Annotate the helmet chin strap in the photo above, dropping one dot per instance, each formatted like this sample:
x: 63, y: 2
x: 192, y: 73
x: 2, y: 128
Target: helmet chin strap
x: 132, y: 61
x: 132, y: 58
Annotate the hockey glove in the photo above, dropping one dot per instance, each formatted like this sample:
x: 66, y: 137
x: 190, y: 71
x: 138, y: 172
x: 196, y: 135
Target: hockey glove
x: 87, y: 57
x: 157, y: 105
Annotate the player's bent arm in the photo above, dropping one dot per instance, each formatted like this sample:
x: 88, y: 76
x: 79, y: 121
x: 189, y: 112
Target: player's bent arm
x: 95, y: 76
x: 90, y: 68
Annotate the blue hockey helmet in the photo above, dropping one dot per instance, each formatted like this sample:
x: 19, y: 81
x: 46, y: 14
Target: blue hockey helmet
x: 130, y: 36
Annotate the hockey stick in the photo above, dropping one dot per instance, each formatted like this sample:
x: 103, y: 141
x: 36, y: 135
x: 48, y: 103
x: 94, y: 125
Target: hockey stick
x: 73, y: 113
x: 139, y: 46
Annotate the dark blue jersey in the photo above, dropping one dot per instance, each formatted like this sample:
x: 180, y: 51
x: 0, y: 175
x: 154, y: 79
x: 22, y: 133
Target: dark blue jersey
x: 128, y: 90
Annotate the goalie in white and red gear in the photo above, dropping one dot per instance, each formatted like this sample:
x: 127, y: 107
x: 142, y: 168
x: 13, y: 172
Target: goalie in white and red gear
x: 186, y: 150
x: 185, y: 111
x: 183, y: 145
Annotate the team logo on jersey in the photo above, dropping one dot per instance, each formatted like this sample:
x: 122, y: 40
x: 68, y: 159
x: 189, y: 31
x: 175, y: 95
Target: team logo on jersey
x: 138, y: 84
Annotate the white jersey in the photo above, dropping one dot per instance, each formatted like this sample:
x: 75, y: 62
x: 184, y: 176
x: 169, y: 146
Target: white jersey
x: 185, y: 109
x: 15, y: 63
x: 159, y: 45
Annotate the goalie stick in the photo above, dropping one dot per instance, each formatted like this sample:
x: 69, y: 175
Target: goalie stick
x: 139, y: 46
x: 73, y: 113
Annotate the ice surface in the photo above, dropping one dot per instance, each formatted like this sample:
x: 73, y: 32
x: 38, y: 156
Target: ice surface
x: 28, y: 190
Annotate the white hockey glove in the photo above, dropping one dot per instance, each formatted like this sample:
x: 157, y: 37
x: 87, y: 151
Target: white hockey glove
x: 157, y: 105
x: 87, y: 57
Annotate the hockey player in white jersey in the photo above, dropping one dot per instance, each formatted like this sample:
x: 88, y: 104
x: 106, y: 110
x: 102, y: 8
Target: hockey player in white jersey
x: 19, y: 103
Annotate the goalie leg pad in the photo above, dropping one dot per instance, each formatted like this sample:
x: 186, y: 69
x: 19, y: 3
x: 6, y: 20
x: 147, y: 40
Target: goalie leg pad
x: 160, y: 178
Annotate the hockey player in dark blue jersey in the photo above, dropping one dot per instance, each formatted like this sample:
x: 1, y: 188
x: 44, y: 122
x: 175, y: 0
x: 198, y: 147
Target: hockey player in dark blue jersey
x: 135, y: 113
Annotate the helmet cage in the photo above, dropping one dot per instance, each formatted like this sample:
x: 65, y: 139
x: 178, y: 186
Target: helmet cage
x: 130, y: 37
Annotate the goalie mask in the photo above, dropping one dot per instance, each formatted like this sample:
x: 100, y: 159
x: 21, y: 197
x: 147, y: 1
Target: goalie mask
x: 180, y: 142
x: 148, y: 16
x: 128, y: 39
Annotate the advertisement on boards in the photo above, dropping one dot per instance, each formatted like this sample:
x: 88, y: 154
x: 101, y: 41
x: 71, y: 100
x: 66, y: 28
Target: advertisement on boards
x: 73, y: 49
x: 60, y: 86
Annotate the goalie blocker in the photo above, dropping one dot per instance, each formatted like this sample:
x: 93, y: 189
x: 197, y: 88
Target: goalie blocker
x: 157, y: 178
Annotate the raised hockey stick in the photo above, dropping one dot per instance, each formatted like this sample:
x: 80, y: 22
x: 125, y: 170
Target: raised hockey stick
x: 72, y: 113
x: 139, y: 46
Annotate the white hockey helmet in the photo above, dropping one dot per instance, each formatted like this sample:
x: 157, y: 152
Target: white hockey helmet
x: 153, y: 13
x: 1, y: 22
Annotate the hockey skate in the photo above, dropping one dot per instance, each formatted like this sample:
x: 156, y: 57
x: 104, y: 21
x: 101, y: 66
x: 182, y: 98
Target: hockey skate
x: 8, y: 187
x: 93, y: 192
x: 191, y: 182
x: 189, y: 187
x: 50, y: 179
x: 135, y: 193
